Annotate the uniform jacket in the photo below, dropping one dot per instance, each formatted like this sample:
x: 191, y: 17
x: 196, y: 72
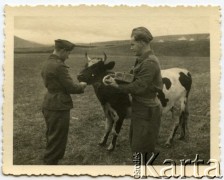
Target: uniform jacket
x: 147, y: 80
x: 59, y: 85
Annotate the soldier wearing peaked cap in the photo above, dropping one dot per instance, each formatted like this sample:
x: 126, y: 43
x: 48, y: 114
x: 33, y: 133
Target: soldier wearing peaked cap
x: 64, y: 44
x: 142, y: 34
x: 146, y: 111
x: 57, y: 101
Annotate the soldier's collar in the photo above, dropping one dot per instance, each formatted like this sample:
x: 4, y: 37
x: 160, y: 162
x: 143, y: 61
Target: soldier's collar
x: 54, y: 56
x: 144, y: 56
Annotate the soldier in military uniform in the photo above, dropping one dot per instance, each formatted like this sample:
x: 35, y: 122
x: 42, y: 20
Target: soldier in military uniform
x: 146, y: 111
x: 57, y: 101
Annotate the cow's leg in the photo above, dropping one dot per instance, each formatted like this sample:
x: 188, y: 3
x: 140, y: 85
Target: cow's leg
x: 111, y: 121
x: 186, y: 117
x: 118, y: 126
x: 110, y: 113
x: 108, y: 127
x: 184, y: 128
x: 176, y: 118
x: 115, y: 119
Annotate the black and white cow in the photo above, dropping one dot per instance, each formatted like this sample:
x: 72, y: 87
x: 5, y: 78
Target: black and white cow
x: 117, y: 105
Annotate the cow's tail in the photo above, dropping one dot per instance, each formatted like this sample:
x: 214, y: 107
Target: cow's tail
x: 186, y: 81
x: 189, y: 82
x: 184, y: 106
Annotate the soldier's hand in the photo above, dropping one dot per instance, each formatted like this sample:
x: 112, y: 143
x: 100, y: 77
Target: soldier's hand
x: 110, y: 81
x: 83, y: 85
x: 114, y: 84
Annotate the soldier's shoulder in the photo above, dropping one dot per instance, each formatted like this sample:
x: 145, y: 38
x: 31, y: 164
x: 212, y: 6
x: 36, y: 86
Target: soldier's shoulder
x: 61, y: 64
x: 57, y: 63
x: 152, y: 62
x: 152, y: 59
x: 61, y: 68
x: 51, y: 65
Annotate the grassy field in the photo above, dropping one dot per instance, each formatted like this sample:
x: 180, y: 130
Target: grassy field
x: 87, y: 122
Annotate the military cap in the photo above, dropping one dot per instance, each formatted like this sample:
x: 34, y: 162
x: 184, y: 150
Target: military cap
x: 142, y: 34
x: 64, y: 44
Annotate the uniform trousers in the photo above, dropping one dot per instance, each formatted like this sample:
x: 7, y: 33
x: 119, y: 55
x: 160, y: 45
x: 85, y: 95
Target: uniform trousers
x: 57, y: 122
x: 144, y: 128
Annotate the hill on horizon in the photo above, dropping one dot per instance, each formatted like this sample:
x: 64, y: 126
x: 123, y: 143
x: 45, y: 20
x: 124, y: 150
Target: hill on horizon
x: 173, y: 38
x: 22, y: 43
x: 174, y: 45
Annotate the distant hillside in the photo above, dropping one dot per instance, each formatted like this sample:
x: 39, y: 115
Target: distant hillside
x: 170, y: 48
x: 22, y: 46
x: 175, y: 45
x: 22, y: 43
x: 111, y: 43
x: 182, y: 48
x: 186, y: 37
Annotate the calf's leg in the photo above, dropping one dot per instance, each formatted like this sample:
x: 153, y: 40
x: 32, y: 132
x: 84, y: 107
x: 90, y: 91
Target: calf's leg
x: 111, y: 118
x: 118, y: 126
x: 108, y: 127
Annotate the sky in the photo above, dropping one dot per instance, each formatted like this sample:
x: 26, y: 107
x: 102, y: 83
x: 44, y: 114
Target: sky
x: 86, y: 24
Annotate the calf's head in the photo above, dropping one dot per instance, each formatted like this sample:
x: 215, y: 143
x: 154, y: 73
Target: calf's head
x: 95, y: 69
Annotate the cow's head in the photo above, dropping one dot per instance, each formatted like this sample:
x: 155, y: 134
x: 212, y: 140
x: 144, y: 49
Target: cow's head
x: 95, y: 69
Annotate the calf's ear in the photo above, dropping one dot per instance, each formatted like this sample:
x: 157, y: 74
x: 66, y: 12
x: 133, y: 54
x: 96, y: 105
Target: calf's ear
x: 110, y: 65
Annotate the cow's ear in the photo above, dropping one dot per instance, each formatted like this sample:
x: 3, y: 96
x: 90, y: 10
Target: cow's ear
x: 110, y: 65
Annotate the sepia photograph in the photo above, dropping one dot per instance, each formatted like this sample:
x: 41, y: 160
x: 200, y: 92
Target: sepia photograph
x: 115, y: 86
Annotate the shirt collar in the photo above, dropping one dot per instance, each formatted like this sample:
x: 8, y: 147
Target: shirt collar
x: 144, y: 56
x: 54, y: 56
